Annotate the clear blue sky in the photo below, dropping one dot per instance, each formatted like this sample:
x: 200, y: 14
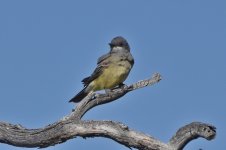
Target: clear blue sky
x: 48, y: 47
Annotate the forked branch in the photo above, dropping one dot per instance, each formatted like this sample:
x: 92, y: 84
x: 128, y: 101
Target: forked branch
x: 72, y: 126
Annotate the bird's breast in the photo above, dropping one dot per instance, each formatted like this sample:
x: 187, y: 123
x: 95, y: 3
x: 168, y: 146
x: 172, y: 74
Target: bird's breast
x: 112, y: 75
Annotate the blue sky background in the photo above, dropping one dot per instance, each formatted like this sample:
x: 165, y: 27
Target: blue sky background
x: 48, y: 47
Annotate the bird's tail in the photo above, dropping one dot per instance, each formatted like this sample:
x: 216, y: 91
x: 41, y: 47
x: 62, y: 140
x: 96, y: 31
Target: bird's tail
x: 81, y: 95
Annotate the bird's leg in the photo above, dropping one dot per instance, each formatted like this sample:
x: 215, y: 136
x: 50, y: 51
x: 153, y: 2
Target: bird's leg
x: 118, y: 87
x: 121, y: 85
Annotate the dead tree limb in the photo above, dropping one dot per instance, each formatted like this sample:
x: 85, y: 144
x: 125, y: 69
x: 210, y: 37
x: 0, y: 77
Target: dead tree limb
x: 72, y: 126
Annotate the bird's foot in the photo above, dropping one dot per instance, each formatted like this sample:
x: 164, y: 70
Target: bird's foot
x: 120, y: 86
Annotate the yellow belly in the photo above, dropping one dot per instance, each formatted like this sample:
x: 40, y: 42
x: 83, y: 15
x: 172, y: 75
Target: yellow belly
x: 111, y: 77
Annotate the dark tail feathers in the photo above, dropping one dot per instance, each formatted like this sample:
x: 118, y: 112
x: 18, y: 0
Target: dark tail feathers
x: 82, y: 94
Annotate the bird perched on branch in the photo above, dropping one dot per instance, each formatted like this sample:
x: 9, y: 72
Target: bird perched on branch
x: 111, y: 71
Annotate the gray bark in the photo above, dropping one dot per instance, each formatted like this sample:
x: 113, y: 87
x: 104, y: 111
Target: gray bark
x: 72, y: 126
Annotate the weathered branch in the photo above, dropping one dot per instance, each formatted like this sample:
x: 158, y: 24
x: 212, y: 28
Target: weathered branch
x: 191, y: 132
x: 72, y: 126
x: 88, y: 103
x: 60, y: 132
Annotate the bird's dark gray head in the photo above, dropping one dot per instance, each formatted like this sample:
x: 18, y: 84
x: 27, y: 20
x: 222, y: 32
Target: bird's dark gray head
x: 119, y: 42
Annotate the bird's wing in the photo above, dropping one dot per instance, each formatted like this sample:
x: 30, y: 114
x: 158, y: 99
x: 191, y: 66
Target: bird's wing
x: 102, y: 63
x: 102, y: 58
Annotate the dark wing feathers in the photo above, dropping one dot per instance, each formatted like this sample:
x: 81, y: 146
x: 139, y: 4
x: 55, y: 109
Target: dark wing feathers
x: 93, y: 76
x: 85, y: 81
x: 102, y: 63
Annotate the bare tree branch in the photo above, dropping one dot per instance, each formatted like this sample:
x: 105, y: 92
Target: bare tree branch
x: 191, y: 132
x: 88, y: 103
x: 72, y: 126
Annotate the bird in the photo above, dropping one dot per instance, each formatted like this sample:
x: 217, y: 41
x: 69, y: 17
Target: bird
x: 112, y: 69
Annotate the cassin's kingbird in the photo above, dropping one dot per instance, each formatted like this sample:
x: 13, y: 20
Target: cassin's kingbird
x: 112, y: 69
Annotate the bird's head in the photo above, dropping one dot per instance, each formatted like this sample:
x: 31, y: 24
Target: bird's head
x: 119, y: 43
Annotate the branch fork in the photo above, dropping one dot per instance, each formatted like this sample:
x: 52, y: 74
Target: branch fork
x: 72, y: 126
